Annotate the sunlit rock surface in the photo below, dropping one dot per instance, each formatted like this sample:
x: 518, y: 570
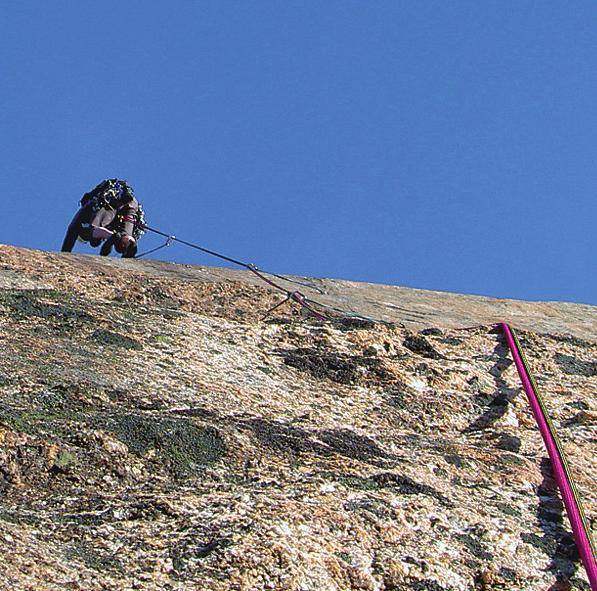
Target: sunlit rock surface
x: 156, y: 433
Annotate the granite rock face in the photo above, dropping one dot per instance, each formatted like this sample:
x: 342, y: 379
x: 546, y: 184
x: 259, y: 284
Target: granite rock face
x: 157, y: 433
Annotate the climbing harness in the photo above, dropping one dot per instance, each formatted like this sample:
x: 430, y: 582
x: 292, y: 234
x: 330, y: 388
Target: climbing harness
x: 291, y: 295
x: 561, y: 469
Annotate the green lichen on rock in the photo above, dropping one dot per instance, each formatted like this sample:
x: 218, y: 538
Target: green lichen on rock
x: 575, y: 366
x: 182, y: 446
x: 51, y: 305
x: 420, y: 345
x: 55, y: 411
x: 14, y: 420
x: 473, y: 539
x: 337, y: 367
x: 37, y: 421
x: 64, y: 459
x: 113, y: 339
x: 93, y: 558
x: 386, y: 480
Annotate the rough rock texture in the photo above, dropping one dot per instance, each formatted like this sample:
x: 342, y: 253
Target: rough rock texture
x: 155, y: 433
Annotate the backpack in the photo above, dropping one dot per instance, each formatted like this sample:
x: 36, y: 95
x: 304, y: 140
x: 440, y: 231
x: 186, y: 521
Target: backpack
x: 106, y: 194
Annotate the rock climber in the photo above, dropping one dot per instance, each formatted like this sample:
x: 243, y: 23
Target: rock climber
x: 109, y: 214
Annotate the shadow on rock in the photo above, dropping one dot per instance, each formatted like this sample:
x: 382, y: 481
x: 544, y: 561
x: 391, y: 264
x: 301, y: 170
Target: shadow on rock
x: 556, y: 542
x: 498, y: 406
x: 291, y: 439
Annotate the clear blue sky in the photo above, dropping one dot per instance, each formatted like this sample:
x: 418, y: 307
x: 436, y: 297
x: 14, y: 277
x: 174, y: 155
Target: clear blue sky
x: 422, y: 143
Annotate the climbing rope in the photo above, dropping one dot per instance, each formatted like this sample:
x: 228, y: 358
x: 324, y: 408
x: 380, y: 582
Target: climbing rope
x: 562, y: 473
x: 295, y: 296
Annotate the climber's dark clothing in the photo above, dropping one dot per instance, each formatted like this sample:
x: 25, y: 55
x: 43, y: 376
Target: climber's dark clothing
x: 119, y: 217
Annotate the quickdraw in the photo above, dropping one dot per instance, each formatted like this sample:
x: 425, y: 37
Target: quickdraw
x: 166, y: 244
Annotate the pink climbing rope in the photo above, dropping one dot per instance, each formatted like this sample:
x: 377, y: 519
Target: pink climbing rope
x: 580, y: 529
